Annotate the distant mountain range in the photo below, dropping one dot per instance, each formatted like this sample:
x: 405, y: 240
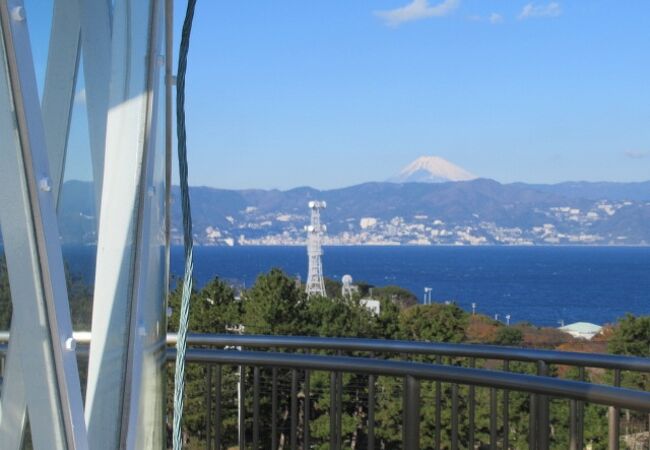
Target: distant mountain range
x: 473, y: 212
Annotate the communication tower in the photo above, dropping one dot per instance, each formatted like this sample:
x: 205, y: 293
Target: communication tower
x: 315, y: 284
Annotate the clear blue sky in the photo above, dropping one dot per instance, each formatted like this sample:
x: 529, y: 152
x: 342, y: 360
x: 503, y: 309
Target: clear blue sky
x: 330, y: 93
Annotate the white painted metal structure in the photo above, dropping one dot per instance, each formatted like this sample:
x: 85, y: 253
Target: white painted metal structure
x: 315, y: 284
x: 347, y: 288
x: 427, y: 295
x: 124, y: 44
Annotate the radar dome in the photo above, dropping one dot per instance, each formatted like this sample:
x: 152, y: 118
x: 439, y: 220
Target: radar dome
x: 347, y: 279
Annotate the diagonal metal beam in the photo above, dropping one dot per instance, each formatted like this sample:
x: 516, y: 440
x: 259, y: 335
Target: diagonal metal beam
x: 58, y: 98
x: 59, y: 90
x: 123, y: 403
x: 13, y: 406
x: 41, y: 318
x: 96, y: 49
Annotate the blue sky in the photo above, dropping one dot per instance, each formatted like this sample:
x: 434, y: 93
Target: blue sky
x: 330, y: 93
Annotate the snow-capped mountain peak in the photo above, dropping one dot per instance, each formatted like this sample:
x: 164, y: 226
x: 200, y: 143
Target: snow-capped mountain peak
x: 432, y: 169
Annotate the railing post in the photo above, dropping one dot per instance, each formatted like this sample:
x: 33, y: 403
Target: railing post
x: 580, y: 422
x: 411, y: 425
x: 506, y: 410
x: 208, y: 406
x: 333, y: 413
x: 307, y: 412
x: 256, y: 408
x: 371, y: 412
x: 454, y: 417
x: 339, y: 409
x: 493, y: 419
x: 472, y: 409
x: 217, y: 415
x: 532, y: 422
x: 573, y: 424
x: 438, y: 417
x: 274, y: 408
x: 294, y: 410
x: 614, y: 419
x: 543, y: 429
x: 241, y: 410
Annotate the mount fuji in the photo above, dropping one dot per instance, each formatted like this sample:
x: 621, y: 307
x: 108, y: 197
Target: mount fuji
x: 432, y: 169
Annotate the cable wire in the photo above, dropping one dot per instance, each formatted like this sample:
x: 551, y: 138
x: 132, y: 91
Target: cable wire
x: 181, y: 343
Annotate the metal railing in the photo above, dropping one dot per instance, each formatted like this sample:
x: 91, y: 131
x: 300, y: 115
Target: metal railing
x: 296, y: 359
x: 381, y: 360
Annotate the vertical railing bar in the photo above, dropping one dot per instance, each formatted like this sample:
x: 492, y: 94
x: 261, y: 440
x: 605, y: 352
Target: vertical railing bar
x: 217, y: 416
x: 274, y: 408
x: 472, y: 409
x: 411, y: 408
x: 580, y: 425
x: 256, y: 408
x: 208, y: 406
x: 614, y: 418
x: 339, y: 409
x: 573, y: 424
x: 454, y: 417
x: 532, y: 422
x: 371, y: 412
x: 543, y: 430
x: 506, y: 410
x: 493, y: 418
x: 307, y: 411
x: 241, y: 408
x: 294, y: 410
x: 438, y: 416
x: 333, y: 410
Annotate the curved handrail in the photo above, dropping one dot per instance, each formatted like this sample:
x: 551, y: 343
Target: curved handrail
x: 554, y: 387
x: 433, y: 348
x: 577, y: 359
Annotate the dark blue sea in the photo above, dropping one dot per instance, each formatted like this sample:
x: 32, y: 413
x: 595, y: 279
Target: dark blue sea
x: 541, y: 285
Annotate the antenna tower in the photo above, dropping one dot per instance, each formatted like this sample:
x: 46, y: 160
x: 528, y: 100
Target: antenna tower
x: 315, y: 284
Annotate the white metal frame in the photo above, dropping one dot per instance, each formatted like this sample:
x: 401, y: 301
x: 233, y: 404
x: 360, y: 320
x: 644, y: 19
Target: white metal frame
x: 122, y: 47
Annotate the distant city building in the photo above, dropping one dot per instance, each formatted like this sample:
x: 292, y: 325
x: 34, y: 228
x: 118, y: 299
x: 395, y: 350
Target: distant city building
x: 315, y: 284
x: 583, y: 330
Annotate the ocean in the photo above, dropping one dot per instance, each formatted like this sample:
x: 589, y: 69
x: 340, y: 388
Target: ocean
x: 540, y: 285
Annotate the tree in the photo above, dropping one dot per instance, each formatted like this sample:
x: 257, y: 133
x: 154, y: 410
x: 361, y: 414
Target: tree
x: 509, y: 336
x: 333, y: 287
x: 631, y: 336
x: 400, y: 296
x: 435, y: 322
x: 275, y: 305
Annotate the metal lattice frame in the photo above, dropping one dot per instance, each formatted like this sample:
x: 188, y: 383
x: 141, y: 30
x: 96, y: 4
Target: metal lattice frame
x: 122, y: 47
x: 315, y: 284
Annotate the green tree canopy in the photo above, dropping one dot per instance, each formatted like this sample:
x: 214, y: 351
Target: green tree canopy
x: 631, y: 336
x: 436, y: 322
x: 509, y: 336
x: 275, y: 305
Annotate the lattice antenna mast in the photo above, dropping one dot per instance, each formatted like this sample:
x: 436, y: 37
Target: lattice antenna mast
x: 315, y: 284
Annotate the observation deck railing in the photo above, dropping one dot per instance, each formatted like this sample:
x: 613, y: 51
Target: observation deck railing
x: 283, y: 366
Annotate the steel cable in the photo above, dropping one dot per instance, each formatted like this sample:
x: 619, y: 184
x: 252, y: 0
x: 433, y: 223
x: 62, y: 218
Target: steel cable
x: 181, y: 343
